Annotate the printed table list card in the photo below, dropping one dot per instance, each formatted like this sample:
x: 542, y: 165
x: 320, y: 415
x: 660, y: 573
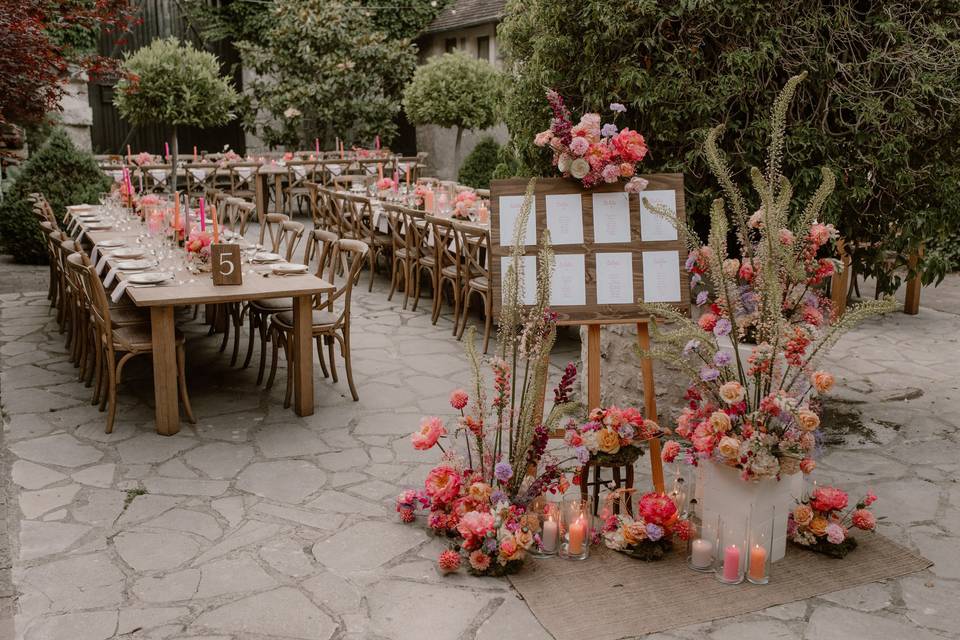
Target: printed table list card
x: 509, y: 212
x: 615, y: 278
x: 611, y: 217
x: 528, y: 277
x: 661, y: 276
x: 565, y: 218
x: 568, y: 284
x: 652, y: 226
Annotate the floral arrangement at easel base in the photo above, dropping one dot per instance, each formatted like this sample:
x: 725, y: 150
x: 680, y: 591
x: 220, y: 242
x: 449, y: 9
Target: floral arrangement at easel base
x: 819, y: 522
x: 758, y: 413
x: 591, y: 152
x: 478, y: 498
x: 650, y: 535
x: 611, y: 436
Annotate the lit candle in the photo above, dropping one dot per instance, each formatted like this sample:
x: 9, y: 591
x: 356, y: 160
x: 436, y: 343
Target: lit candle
x: 549, y: 538
x: 428, y: 201
x: 576, y: 536
x: 758, y: 562
x: 731, y: 563
x: 483, y: 214
x: 216, y: 226
x: 166, y: 151
x: 701, y: 553
x: 203, y: 216
x: 408, y: 172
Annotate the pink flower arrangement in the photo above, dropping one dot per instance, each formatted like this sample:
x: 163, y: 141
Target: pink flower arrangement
x: 650, y: 534
x: 611, y: 435
x: 591, y: 152
x: 386, y: 184
x: 143, y: 158
x: 820, y: 524
x: 199, y: 242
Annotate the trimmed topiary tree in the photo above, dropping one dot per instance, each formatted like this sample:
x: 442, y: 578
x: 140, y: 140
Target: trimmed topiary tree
x: 478, y: 167
x: 454, y: 90
x: 176, y: 85
x: 64, y: 175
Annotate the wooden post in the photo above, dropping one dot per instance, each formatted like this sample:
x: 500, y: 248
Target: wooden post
x: 840, y: 281
x: 650, y: 405
x: 911, y: 306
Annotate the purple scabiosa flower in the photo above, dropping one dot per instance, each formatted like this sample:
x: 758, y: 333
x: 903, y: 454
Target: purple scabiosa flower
x: 690, y: 347
x: 503, y: 471
x: 702, y: 298
x: 616, y: 107
x: 709, y: 374
x: 583, y: 455
x: 722, y: 359
x: 497, y: 497
x: 654, y: 532
x: 608, y: 130
x: 695, y: 279
x: 490, y: 545
x: 722, y: 328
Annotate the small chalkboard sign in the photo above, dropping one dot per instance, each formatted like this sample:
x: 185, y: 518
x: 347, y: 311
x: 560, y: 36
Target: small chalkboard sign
x: 225, y: 260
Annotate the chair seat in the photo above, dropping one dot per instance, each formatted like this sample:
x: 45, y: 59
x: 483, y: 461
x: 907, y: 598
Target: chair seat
x: 382, y: 240
x: 481, y: 283
x: 137, y: 337
x: 320, y: 318
x: 428, y: 261
x: 449, y: 271
x: 272, y: 305
x: 125, y: 316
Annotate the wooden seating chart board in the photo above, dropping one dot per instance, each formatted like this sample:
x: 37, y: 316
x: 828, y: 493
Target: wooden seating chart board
x: 610, y: 252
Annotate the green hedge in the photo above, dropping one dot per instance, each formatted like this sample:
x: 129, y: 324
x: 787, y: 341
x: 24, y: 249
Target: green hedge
x: 62, y: 173
x: 478, y: 167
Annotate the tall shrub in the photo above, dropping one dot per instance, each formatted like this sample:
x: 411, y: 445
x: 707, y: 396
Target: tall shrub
x: 479, y: 165
x: 64, y: 175
x: 881, y: 105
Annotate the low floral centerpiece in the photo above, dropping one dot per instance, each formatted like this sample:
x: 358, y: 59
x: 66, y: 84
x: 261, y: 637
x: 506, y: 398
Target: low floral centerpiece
x: 590, y: 151
x: 385, y: 184
x: 197, y: 246
x: 650, y: 534
x: 463, y: 204
x: 821, y: 521
x: 611, y: 436
x: 493, y: 460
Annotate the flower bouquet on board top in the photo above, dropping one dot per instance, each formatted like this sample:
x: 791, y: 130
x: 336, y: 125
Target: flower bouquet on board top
x: 478, y: 494
x: 611, y: 436
x: 821, y: 521
x: 755, y: 406
x: 590, y: 151
x: 649, y: 536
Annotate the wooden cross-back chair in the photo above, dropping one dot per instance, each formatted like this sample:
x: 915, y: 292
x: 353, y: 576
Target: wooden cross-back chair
x: 200, y: 176
x: 473, y: 244
x: 157, y: 177
x: 299, y: 174
x: 419, y: 239
x: 403, y: 257
x: 270, y: 230
x: 243, y: 179
x: 364, y: 228
x: 236, y: 214
x: 330, y: 319
x: 408, y: 164
x: 448, y: 267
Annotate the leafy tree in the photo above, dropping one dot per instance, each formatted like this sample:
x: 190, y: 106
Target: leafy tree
x: 479, y: 165
x: 174, y: 84
x: 41, y: 40
x: 454, y: 90
x: 64, y: 175
x: 324, y: 71
x: 404, y: 19
x: 881, y: 105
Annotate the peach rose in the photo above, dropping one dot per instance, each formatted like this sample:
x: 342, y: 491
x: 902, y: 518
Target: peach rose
x: 608, y: 441
x: 822, y: 381
x: 480, y: 491
x: 808, y: 420
x: 732, y: 392
x: 803, y: 514
x: 720, y: 421
x: 818, y: 526
x: 729, y: 447
x: 634, y: 532
x: 524, y: 538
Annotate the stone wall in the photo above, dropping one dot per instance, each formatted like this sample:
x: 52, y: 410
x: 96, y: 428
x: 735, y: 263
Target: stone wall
x: 76, y: 115
x: 440, y: 143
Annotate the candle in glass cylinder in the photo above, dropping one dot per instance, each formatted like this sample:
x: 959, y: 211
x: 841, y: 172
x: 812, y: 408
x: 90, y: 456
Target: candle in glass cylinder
x: 701, y: 553
x: 576, y: 536
x: 731, y: 563
x: 758, y: 562
x: 549, y: 538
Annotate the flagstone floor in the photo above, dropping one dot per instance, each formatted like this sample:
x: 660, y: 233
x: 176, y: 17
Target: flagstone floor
x: 256, y: 524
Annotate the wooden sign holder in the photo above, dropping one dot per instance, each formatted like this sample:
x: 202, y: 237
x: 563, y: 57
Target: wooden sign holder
x: 226, y: 255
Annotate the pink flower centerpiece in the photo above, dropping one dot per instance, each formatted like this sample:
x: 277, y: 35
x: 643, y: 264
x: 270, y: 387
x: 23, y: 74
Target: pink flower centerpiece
x: 611, y: 436
x: 821, y: 521
x: 648, y: 536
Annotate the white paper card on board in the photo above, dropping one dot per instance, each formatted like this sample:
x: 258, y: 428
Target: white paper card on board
x: 661, y: 276
x: 611, y: 217
x: 568, y: 284
x: 509, y: 212
x: 565, y: 218
x: 652, y: 226
x: 615, y: 278
x: 529, y: 277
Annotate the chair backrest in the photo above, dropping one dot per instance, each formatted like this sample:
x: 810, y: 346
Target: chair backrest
x: 343, y: 213
x: 395, y: 222
x: 272, y: 229
x: 300, y: 172
x: 352, y: 253
x: 96, y: 297
x: 236, y: 213
x: 361, y: 214
x: 156, y: 177
x: 290, y: 234
x: 200, y: 176
x: 243, y: 177
x: 473, y: 244
x: 320, y: 243
x: 318, y: 205
x: 444, y: 241
x: 416, y: 230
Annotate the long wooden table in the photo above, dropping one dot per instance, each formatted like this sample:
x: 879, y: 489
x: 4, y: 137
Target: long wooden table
x: 162, y: 300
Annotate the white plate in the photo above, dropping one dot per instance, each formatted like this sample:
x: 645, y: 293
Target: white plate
x: 288, y: 269
x: 99, y: 226
x: 265, y: 256
x: 149, y: 277
x: 106, y: 244
x: 135, y: 265
x: 130, y: 253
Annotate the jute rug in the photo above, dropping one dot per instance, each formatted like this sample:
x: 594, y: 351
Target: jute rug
x: 610, y: 596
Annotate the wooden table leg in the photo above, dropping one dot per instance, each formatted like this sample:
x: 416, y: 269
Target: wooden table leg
x: 303, y: 359
x: 262, y: 198
x: 163, y: 333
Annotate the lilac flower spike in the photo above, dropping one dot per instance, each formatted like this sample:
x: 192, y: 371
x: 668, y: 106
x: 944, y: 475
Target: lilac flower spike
x: 616, y: 107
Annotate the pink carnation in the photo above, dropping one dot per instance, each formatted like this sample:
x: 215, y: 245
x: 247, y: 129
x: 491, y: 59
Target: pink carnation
x: 670, y: 451
x: 449, y: 561
x: 610, y: 173
x: 459, y: 399
x: 863, y: 519
x: 579, y: 146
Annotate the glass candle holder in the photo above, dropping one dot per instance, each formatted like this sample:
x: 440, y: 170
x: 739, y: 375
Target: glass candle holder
x: 731, y: 557
x: 576, y: 520
x: 548, y: 522
x: 761, y: 547
x: 703, y: 547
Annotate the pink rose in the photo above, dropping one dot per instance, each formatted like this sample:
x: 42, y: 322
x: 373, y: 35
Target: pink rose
x: 807, y: 465
x: 431, y: 428
x: 630, y: 145
x: 835, y: 533
x: 442, y: 483
x: 828, y: 499
x: 610, y: 173
x: 822, y: 381
x: 475, y: 524
x: 657, y: 508
x: 670, y: 451
x: 704, y: 438
x: 636, y: 185
x: 626, y: 170
x: 543, y: 138
x: 863, y: 519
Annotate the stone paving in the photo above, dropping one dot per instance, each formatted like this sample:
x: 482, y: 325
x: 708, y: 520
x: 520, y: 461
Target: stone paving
x: 257, y: 524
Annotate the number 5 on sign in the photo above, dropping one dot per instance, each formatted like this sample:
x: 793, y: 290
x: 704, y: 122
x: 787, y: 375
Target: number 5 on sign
x: 225, y: 259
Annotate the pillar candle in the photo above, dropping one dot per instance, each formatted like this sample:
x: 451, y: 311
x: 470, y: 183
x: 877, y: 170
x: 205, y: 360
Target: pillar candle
x: 701, y: 553
x: 549, y: 538
x: 203, y: 216
x: 341, y: 149
x: 758, y: 562
x: 428, y: 201
x: 731, y: 563
x: 576, y: 536
x: 408, y: 172
x: 376, y: 143
x: 216, y: 225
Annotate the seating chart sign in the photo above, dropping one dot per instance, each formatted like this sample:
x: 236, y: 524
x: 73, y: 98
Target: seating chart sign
x: 611, y: 253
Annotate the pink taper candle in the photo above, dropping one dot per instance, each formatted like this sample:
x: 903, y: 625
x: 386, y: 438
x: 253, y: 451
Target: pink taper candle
x: 316, y: 145
x: 203, y: 216
x: 166, y: 150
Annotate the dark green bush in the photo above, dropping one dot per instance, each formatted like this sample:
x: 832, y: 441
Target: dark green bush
x: 62, y: 173
x: 478, y: 167
x: 880, y: 106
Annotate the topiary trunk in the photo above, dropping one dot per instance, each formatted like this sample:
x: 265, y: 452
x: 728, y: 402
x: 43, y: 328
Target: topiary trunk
x: 456, y: 153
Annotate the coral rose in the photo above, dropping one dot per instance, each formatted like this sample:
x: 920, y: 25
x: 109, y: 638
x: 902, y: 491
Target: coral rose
x: 732, y: 392
x: 608, y: 441
x: 524, y: 538
x: 442, y: 483
x: 720, y: 422
x: 863, y: 519
x: 808, y: 420
x: 704, y: 439
x: 729, y: 447
x: 475, y: 524
x: 670, y: 451
x: 822, y: 381
x: 626, y: 170
x: 828, y: 499
x: 449, y: 561
x: 802, y: 514
x: 509, y: 549
x: 480, y: 491
x: 634, y: 532
x: 431, y: 428
x: 657, y: 508
x: 807, y: 465
x: 479, y: 561
x: 818, y: 526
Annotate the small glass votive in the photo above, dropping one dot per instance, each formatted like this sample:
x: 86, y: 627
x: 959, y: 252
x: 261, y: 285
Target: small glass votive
x: 546, y: 518
x: 576, y: 519
x: 761, y: 549
x: 702, y: 549
x: 731, y: 556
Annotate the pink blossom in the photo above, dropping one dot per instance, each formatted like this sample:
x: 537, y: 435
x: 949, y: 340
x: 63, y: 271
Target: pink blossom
x: 630, y: 145
x: 449, y: 561
x: 543, y: 138
x: 835, y: 533
x: 431, y: 428
x: 475, y: 524
x: 611, y: 173
x: 863, y: 519
x: 870, y: 498
x: 442, y: 483
x: 670, y: 451
x: 636, y: 185
x: 786, y: 237
x: 828, y: 499
x: 579, y: 146
x: 458, y: 399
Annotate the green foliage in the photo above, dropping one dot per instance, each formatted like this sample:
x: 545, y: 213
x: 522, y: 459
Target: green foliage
x: 508, y: 166
x: 454, y: 90
x: 880, y: 105
x: 65, y: 176
x: 174, y: 84
x: 325, y: 71
x: 405, y: 19
x: 477, y: 169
